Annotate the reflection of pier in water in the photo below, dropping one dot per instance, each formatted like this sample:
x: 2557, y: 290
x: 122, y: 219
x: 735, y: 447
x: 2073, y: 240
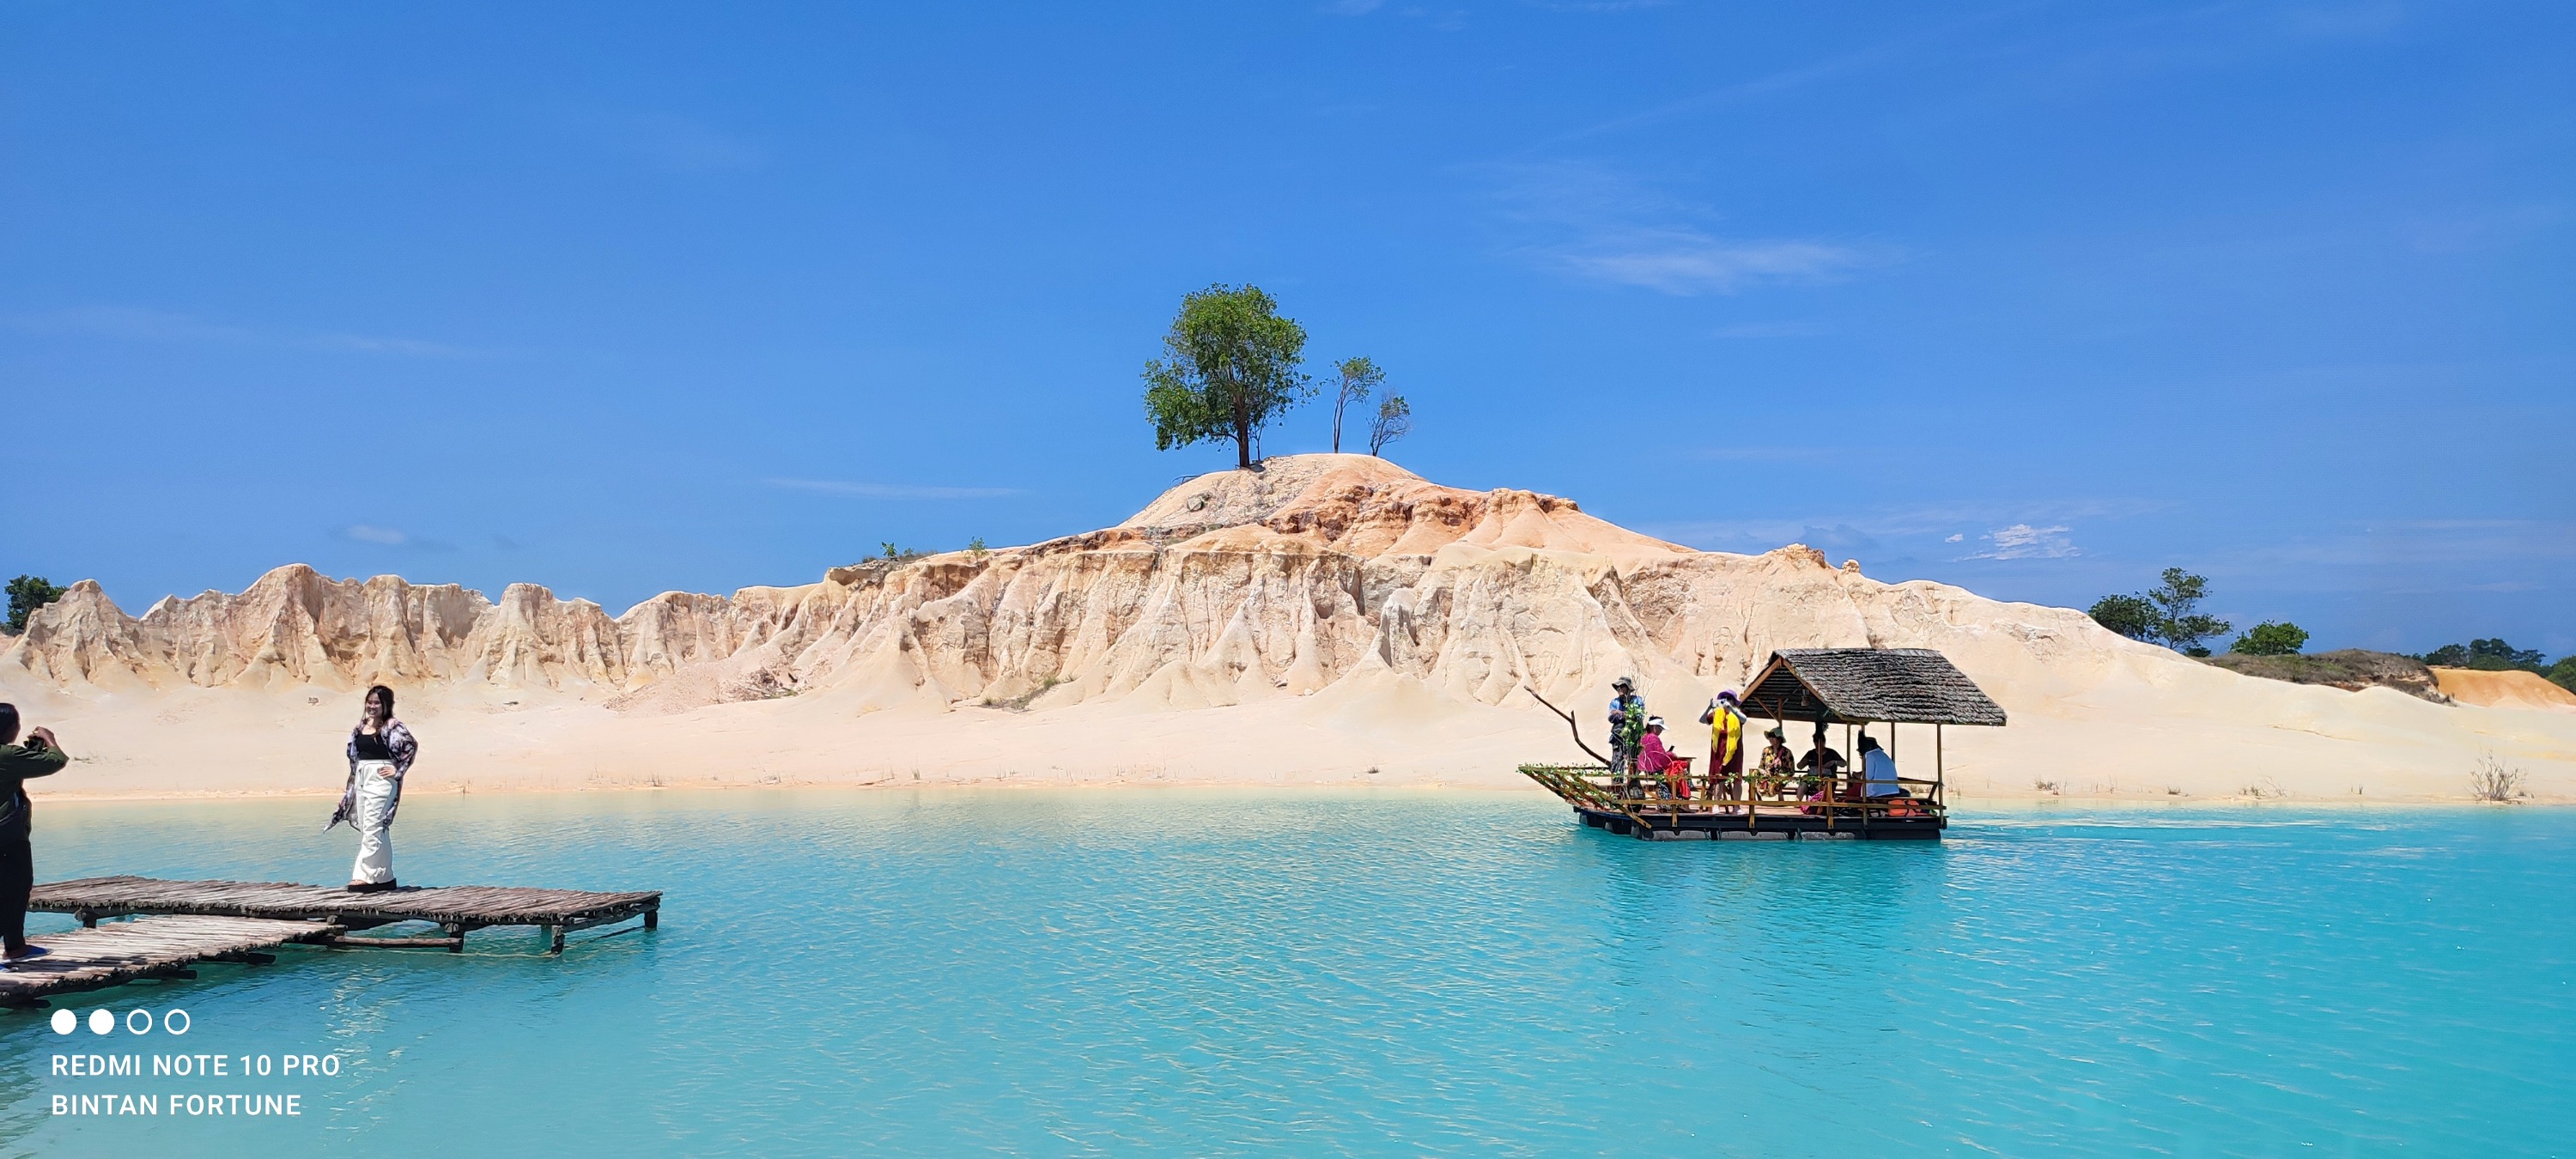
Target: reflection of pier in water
x: 180, y: 924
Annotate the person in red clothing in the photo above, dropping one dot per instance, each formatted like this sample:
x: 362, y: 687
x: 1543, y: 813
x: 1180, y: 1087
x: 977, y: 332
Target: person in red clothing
x: 1654, y: 761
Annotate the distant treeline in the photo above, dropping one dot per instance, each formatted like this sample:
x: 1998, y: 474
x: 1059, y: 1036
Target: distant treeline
x: 2169, y: 614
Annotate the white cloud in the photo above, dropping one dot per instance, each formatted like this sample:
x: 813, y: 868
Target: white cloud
x: 889, y: 490
x: 384, y: 535
x: 1954, y: 539
x: 1687, y: 261
x: 2023, y: 541
x: 1601, y: 226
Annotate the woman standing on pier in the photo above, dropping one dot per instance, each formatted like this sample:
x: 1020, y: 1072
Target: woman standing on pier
x: 380, y: 752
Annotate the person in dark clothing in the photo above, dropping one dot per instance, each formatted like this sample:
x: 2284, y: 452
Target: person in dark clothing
x: 39, y: 757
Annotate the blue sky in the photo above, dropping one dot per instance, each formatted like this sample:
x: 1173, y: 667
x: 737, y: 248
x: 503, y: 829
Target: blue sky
x: 2034, y: 298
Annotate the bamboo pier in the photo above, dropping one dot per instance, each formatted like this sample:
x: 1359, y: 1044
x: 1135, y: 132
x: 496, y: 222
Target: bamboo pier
x: 455, y: 909
x: 163, y: 947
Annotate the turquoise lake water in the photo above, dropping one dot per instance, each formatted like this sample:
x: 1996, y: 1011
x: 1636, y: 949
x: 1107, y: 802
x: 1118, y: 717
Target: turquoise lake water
x: 1232, y: 972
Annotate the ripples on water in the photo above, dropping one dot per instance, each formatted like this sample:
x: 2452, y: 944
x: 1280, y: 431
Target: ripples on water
x: 1210, y: 972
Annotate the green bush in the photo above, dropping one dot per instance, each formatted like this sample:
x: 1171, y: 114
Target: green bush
x: 2271, y: 639
x: 2491, y: 655
x: 26, y: 594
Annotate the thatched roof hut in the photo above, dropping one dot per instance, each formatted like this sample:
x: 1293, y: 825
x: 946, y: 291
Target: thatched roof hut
x: 1862, y: 685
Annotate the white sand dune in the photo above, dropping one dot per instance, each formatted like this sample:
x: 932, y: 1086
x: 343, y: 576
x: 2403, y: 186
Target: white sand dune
x: 1331, y: 619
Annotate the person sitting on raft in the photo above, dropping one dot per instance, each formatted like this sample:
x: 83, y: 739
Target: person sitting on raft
x: 1654, y: 761
x: 1878, y: 771
x: 1775, y: 767
x: 1819, y: 769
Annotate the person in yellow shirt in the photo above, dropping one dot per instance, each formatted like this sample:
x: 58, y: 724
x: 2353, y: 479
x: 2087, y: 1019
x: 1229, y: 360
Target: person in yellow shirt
x: 1725, y: 721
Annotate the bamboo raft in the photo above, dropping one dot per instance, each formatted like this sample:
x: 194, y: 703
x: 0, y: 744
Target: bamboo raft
x: 455, y: 909
x: 1855, y: 688
x: 152, y: 947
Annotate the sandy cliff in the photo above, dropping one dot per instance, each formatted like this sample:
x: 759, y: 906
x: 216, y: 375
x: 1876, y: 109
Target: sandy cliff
x: 1329, y: 618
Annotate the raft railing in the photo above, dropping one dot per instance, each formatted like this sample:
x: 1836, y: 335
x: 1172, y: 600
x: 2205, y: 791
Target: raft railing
x: 1638, y: 798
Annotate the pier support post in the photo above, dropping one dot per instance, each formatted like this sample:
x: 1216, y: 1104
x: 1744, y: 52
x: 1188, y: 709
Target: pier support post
x: 455, y: 937
x: 557, y: 934
x: 653, y: 918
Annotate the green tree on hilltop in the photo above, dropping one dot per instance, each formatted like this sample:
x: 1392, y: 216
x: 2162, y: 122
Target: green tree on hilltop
x: 2180, y: 626
x: 2168, y: 614
x: 2491, y: 655
x: 1394, y: 421
x: 1360, y: 380
x: 2130, y: 616
x: 2271, y: 639
x: 1230, y: 367
x: 26, y: 594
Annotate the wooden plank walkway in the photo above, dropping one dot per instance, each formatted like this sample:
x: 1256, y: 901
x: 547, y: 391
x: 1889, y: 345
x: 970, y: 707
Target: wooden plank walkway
x: 153, y: 947
x: 455, y: 908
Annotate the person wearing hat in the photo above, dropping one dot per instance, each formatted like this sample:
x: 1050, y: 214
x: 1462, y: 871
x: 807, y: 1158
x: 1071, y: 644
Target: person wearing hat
x: 1654, y: 761
x: 1627, y: 728
x: 1775, y: 767
x: 1725, y: 721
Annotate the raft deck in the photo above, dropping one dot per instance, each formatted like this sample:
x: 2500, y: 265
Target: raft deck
x: 152, y: 947
x: 1765, y: 824
x: 456, y: 909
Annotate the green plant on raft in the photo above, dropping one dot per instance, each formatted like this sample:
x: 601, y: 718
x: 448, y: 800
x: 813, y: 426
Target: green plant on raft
x: 2271, y: 639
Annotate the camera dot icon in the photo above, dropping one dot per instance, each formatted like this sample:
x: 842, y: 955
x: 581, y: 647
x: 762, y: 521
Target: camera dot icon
x: 100, y: 1022
x: 65, y: 1021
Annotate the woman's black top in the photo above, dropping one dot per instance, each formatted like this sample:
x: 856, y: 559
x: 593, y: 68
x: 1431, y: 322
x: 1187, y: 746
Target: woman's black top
x: 371, y: 746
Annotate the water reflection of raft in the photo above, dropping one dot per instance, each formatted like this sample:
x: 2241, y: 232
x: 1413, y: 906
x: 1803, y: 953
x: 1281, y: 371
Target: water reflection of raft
x: 1817, y: 687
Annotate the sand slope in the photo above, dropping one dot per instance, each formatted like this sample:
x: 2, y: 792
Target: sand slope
x: 2504, y: 689
x: 1331, y: 618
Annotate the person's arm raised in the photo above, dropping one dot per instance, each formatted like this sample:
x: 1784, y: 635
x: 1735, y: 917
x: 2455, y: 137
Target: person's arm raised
x: 41, y: 758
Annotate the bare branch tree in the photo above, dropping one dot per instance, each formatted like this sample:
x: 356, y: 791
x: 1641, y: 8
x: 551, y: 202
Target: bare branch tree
x: 1394, y: 421
x: 1360, y: 379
